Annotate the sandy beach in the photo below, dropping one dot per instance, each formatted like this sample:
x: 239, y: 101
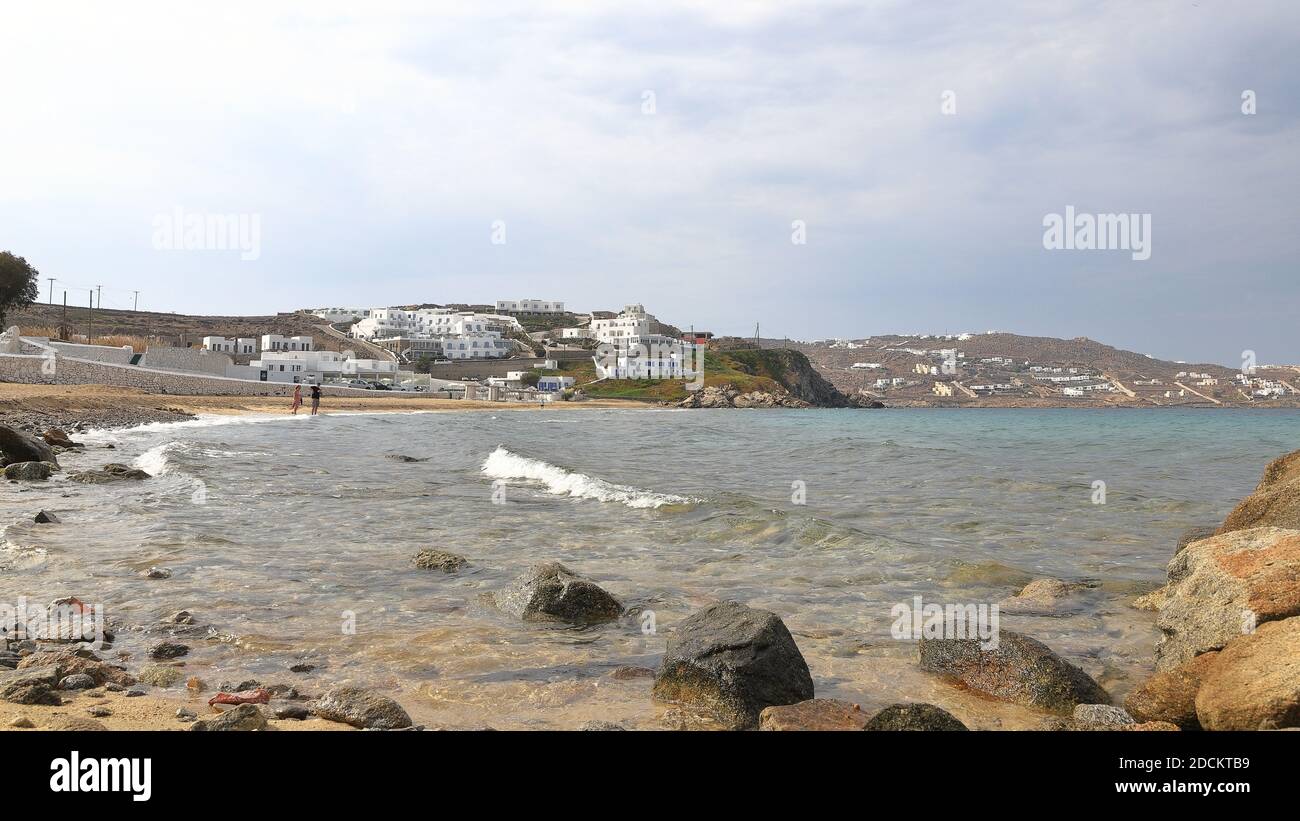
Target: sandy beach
x: 107, y: 406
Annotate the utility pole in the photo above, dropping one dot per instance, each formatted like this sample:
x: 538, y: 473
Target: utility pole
x: 137, y: 301
x: 99, y: 296
x: 90, y: 320
x: 63, y: 326
x: 51, y: 279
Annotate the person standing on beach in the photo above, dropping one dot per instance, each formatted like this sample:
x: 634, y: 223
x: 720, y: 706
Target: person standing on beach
x: 297, y: 400
x: 315, y: 399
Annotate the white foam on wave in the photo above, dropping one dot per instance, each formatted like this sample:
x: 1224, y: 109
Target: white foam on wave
x: 502, y: 464
x: 154, y: 460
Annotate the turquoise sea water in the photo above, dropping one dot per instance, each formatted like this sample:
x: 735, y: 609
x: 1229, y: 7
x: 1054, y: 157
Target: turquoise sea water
x: 278, y: 531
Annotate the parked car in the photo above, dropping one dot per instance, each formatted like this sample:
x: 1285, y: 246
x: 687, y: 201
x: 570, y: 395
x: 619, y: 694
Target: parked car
x: 379, y: 386
x: 358, y: 383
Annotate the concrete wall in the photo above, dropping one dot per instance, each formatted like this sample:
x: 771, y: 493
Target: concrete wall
x: 36, y: 369
x: 96, y: 353
x: 481, y: 369
x: 186, y: 359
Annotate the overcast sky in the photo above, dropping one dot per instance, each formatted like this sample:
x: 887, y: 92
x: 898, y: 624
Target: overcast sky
x: 376, y: 144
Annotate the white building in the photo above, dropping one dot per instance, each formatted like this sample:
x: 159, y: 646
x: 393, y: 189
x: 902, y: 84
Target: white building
x: 240, y: 345
x: 275, y: 342
x: 632, y: 321
x: 318, y: 366
x: 530, y: 306
x: 575, y: 333
x: 340, y: 314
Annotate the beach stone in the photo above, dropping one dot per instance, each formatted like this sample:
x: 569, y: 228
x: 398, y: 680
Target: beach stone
x: 1275, y: 501
x: 1020, y: 669
x: 77, y: 725
x: 180, y: 617
x: 362, y: 708
x: 439, y: 560
x: 112, y: 472
x: 732, y: 661
x: 168, y: 650
x: 22, y: 723
x: 1149, y: 727
x: 1170, y: 695
x: 1039, y: 596
x: 31, y: 687
x: 914, y: 717
x: 1102, y: 715
x: 185, y: 714
x: 1194, y: 534
x: 1222, y: 585
x: 813, y: 714
x: 30, y: 471
x: 22, y: 447
x: 601, y: 726
x: 553, y: 592
x: 160, y: 675
x: 245, y: 717
x: 77, y: 681
x: 630, y: 671
x: 156, y: 573
x: 47, y: 518
x: 99, y: 711
x: 1255, y: 683
x: 69, y: 661
x: 294, y: 712
x: 54, y: 437
x: 302, y: 668
x: 402, y: 457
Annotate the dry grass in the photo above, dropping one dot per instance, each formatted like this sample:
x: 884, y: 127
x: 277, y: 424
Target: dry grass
x: 137, y: 343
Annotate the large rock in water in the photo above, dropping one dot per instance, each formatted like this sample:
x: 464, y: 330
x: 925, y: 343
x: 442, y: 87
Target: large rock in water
x: 1170, y: 695
x: 1255, y: 682
x: 1222, y: 586
x: 362, y: 708
x: 553, y: 592
x: 1020, y: 669
x: 914, y: 717
x: 731, y: 661
x: 1276, y: 500
x: 112, y: 472
x: 20, y: 447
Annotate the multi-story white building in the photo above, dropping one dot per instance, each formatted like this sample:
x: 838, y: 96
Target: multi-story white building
x: 317, y: 366
x: 530, y: 306
x: 632, y: 321
x: 240, y: 345
x: 276, y: 342
x: 340, y: 314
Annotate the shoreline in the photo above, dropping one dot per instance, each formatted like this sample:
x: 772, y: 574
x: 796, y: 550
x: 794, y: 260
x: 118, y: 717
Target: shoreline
x: 104, y: 407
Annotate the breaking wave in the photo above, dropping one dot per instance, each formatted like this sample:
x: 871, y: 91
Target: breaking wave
x: 502, y: 464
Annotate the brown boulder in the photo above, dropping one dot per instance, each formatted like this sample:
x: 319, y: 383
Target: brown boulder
x: 1276, y: 500
x: 1221, y: 587
x: 1255, y: 684
x: 1170, y: 695
x: 68, y: 662
x: 814, y: 714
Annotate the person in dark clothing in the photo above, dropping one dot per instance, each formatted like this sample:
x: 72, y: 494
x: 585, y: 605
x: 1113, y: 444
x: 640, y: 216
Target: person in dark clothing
x: 315, y: 399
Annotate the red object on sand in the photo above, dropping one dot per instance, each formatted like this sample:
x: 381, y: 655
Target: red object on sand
x: 258, y: 696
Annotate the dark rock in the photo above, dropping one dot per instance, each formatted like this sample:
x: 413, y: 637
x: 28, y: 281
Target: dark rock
x: 69, y: 661
x: 293, y: 712
x: 401, y: 457
x: 21, y: 447
x: 31, y: 687
x: 168, y: 650
x: 1020, y: 669
x: 181, y: 617
x: 55, y: 437
x: 814, y: 714
x: 362, y: 708
x: 100, y: 711
x: 245, y: 717
x: 186, y: 715
x: 552, y: 592
x: 77, y: 681
x: 156, y: 573
x: 731, y: 661
x: 112, y: 472
x: 914, y: 717
x: 30, y: 471
x: 302, y: 668
x: 439, y: 560
x: 629, y: 671
x: 47, y: 518
x: 134, y: 692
